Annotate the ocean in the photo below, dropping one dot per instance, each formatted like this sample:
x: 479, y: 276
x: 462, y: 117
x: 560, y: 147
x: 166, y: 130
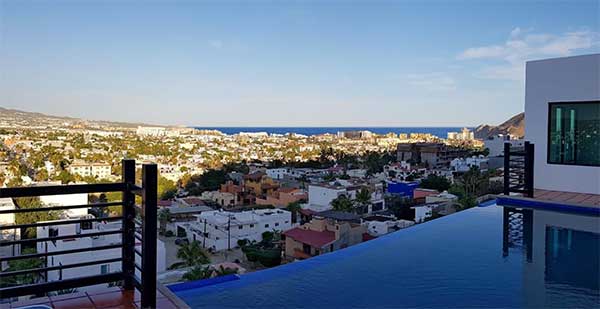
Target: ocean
x: 437, y: 131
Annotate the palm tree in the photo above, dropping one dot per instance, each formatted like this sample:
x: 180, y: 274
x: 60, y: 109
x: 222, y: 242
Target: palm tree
x: 198, y: 273
x: 191, y: 254
x: 363, y: 198
x: 294, y: 208
x: 342, y: 203
x: 222, y: 271
x: 164, y: 216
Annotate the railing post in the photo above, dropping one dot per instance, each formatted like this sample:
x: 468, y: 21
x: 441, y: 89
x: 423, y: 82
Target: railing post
x: 529, y: 155
x: 506, y: 169
x: 149, y: 226
x: 128, y: 251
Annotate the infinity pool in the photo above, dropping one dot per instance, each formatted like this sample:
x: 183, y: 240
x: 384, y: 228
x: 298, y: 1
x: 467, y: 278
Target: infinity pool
x: 483, y: 257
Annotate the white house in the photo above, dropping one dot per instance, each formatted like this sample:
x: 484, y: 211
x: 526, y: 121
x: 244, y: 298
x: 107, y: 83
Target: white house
x: 277, y: 173
x: 220, y: 230
x: 87, y: 242
x: 7, y: 235
x: 562, y: 108
x: 320, y: 196
x: 495, y: 144
x: 381, y: 225
x: 461, y: 165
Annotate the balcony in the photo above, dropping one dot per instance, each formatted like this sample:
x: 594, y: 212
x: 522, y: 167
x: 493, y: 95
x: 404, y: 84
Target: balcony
x: 520, y: 191
x: 124, y: 263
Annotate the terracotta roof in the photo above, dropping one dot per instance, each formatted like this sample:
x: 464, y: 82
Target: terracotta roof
x: 307, y: 212
x: 256, y: 176
x: 193, y: 201
x: 164, y: 203
x: 367, y: 237
x: 313, y: 238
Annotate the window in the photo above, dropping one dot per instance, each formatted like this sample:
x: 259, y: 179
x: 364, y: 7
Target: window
x: 241, y: 227
x: 251, y: 225
x: 266, y: 225
x: 53, y: 232
x: 86, y: 225
x: 276, y: 223
x: 574, y: 133
x: 104, y: 269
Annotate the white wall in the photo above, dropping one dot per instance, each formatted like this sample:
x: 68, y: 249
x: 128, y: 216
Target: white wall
x: 559, y: 80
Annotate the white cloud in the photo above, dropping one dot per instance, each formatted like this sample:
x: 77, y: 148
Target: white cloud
x: 522, y: 45
x: 436, y: 81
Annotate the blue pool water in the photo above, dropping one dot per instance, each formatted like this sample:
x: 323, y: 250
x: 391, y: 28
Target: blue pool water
x: 483, y: 257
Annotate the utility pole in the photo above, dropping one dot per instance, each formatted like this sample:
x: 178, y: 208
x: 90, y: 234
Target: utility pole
x: 229, y: 232
x: 204, y: 235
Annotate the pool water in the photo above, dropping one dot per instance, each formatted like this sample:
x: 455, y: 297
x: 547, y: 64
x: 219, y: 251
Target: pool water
x: 483, y: 257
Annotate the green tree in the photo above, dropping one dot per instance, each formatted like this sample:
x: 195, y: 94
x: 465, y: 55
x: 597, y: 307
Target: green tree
x: 191, y: 254
x: 294, y: 208
x: 164, y: 216
x: 342, y: 203
x: 363, y: 199
x: 198, y: 272
x: 435, y: 182
x: 25, y: 264
x: 166, y: 188
x: 32, y: 217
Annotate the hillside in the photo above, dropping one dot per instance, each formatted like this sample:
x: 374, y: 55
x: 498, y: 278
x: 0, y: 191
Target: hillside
x: 514, y: 126
x: 18, y: 118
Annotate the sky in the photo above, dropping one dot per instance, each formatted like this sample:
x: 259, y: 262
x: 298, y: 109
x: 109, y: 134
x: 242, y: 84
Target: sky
x: 284, y: 63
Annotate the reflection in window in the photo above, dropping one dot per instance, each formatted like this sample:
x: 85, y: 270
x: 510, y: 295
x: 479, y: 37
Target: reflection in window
x: 574, y: 136
x: 573, y: 257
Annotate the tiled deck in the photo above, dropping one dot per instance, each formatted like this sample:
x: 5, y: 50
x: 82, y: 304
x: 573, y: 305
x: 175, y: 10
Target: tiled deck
x: 579, y: 199
x: 113, y: 297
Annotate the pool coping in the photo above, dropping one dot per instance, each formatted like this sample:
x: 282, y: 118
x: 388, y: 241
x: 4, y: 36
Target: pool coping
x: 533, y: 203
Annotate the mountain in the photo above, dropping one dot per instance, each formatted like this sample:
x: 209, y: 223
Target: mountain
x: 18, y: 118
x: 514, y: 126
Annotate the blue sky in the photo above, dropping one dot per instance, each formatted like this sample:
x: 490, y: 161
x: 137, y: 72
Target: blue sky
x: 284, y: 63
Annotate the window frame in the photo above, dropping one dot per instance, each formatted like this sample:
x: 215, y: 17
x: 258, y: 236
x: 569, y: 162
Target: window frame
x: 549, y: 128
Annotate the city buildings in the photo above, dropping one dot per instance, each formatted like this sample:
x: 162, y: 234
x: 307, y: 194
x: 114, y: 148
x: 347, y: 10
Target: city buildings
x: 434, y: 155
x: 464, y: 135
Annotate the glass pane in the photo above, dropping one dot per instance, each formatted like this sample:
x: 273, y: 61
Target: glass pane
x: 555, y: 134
x: 575, y: 133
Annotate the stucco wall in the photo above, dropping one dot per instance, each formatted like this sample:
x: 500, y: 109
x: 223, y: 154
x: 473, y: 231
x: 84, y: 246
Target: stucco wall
x: 559, y: 80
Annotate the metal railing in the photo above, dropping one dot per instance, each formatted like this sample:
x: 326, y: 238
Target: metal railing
x: 129, y: 231
x: 518, y: 169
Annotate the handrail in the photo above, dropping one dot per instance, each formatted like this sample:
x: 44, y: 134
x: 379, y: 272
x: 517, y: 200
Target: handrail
x: 61, y: 189
x: 518, y: 169
x: 145, y: 282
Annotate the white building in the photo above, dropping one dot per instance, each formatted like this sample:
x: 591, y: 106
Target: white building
x: 320, y: 196
x: 8, y: 235
x: 220, y: 230
x: 461, y: 165
x: 464, y: 135
x: 562, y: 106
x: 87, y: 242
x: 96, y: 170
x: 495, y: 144
x: 277, y: 173
x: 151, y: 131
x: 381, y: 225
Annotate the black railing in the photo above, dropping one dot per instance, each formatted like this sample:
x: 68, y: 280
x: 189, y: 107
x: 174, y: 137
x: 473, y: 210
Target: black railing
x: 518, y: 169
x: 133, y: 220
